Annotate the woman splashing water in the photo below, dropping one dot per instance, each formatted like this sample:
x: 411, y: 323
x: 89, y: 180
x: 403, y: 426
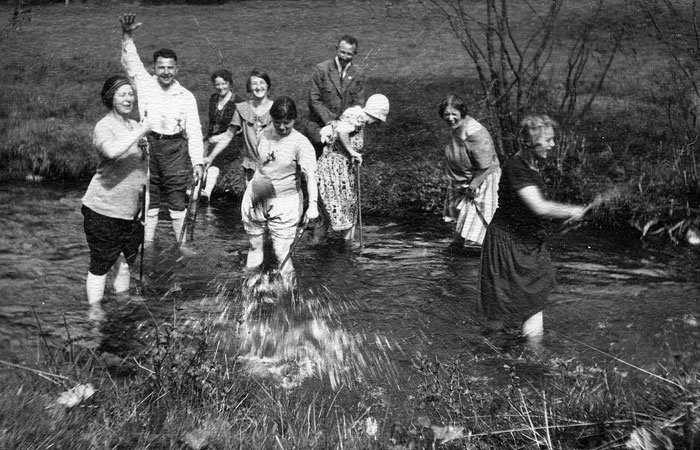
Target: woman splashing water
x: 516, y: 273
x: 112, y: 201
x: 273, y: 198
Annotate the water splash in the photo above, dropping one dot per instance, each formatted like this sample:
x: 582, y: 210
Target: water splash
x: 289, y: 338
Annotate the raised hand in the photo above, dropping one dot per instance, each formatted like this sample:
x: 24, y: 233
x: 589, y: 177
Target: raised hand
x: 128, y: 22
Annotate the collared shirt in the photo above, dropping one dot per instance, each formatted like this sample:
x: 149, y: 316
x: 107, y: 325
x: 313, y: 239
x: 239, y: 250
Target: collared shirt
x: 342, y: 71
x: 169, y: 111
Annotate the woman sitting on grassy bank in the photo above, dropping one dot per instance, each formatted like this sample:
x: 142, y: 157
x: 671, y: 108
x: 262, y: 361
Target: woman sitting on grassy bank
x: 516, y: 274
x: 113, y: 199
x: 473, y: 171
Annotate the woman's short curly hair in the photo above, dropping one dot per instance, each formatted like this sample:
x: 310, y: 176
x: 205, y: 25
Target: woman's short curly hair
x: 531, y: 128
x: 454, y: 101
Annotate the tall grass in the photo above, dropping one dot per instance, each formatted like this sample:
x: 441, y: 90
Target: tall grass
x: 182, y: 389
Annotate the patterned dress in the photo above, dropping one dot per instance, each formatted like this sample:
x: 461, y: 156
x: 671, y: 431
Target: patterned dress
x: 336, y: 175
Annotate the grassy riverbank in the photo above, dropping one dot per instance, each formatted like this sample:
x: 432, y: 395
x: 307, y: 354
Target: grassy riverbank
x: 54, y: 66
x: 182, y: 391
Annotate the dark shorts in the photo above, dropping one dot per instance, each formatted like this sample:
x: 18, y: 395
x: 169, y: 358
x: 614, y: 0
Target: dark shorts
x: 108, y: 237
x: 171, y: 173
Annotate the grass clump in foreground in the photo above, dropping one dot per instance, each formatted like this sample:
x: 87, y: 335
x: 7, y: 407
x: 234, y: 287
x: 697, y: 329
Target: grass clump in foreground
x: 182, y: 388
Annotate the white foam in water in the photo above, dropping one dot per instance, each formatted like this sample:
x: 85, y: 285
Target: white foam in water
x: 289, y: 339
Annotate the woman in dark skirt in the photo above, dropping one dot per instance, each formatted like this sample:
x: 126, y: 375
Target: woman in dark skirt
x: 516, y: 274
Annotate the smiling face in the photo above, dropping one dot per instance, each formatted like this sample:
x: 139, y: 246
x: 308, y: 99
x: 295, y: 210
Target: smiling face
x: 543, y: 143
x: 221, y: 86
x: 123, y: 101
x: 283, y: 127
x: 452, y: 116
x: 345, y: 52
x: 258, y: 87
x: 166, y: 71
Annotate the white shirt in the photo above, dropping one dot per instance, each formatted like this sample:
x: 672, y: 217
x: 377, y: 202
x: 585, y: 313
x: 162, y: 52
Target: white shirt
x: 169, y: 111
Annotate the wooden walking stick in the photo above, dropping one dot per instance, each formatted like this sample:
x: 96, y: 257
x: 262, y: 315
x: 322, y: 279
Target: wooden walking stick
x: 142, y: 219
x: 202, y: 183
x: 359, y: 205
x: 193, y: 189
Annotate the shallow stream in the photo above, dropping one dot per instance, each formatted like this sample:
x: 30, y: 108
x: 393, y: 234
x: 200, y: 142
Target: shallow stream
x: 403, y: 294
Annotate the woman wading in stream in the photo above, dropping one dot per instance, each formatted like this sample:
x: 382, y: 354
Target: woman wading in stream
x: 473, y: 171
x: 111, y: 205
x: 516, y: 274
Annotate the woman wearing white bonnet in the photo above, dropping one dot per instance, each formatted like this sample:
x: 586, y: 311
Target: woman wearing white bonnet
x: 344, y: 146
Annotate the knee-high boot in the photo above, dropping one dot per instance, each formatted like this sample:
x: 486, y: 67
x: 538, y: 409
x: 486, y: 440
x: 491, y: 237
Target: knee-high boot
x: 178, y: 218
x: 123, y: 278
x: 149, y: 232
x: 95, y: 287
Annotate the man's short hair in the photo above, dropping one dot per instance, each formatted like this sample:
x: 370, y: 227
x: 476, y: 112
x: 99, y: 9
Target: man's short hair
x: 164, y: 53
x: 350, y: 40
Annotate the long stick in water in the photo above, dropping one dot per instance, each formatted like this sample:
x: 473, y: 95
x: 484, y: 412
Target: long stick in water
x: 359, y: 205
x: 142, y: 219
x: 300, y: 233
x: 183, y: 230
x: 202, y: 183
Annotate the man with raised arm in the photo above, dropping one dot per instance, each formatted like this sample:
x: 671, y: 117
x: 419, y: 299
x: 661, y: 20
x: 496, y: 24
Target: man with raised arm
x: 176, y: 146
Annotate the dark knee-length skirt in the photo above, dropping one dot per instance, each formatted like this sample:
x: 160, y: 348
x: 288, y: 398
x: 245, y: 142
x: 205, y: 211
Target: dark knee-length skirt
x: 516, y: 276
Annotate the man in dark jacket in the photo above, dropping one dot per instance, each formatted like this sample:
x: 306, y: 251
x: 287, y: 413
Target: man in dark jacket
x: 336, y: 85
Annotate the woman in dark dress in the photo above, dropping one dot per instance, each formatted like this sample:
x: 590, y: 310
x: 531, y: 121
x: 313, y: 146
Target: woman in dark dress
x: 222, y: 106
x: 516, y: 274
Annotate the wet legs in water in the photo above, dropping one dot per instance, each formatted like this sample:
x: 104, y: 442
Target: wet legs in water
x: 256, y: 254
x: 533, y: 330
x: 95, y: 284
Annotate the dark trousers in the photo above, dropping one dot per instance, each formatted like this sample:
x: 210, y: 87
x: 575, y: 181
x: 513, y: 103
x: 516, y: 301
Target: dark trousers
x: 171, y: 173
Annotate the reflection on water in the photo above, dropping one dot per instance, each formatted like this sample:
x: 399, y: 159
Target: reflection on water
x: 352, y: 314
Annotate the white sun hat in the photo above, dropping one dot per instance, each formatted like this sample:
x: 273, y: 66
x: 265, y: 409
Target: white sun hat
x: 377, y: 106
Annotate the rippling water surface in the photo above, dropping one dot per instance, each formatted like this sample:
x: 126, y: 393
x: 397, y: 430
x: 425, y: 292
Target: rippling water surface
x: 351, y: 314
